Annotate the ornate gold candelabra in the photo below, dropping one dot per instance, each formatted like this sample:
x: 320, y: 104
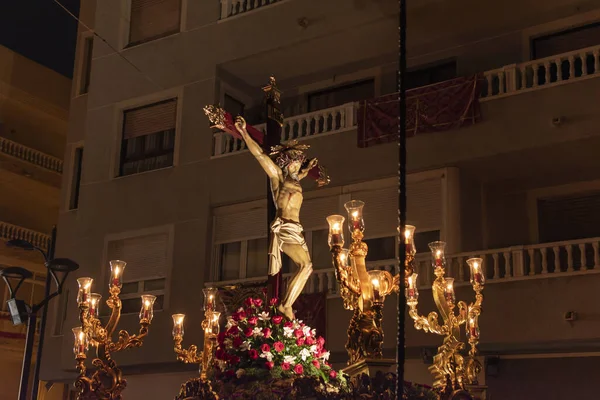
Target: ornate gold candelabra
x: 200, y: 386
x: 450, y: 370
x: 106, y: 382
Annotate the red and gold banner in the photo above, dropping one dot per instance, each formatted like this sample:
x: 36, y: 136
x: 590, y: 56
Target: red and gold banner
x: 439, y: 107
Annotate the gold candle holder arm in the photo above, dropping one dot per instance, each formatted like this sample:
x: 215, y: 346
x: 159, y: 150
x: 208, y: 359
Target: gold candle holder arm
x: 114, y: 303
x: 462, y: 313
x: 350, y: 287
x: 187, y: 356
x: 127, y: 341
x: 429, y: 323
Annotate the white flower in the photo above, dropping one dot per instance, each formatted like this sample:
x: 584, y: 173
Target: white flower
x: 268, y: 355
x: 306, y: 331
x: 240, y: 309
x: 313, y: 349
x: 230, y: 323
x: 245, y: 346
x: 325, y: 356
x: 257, y: 332
x: 227, y: 342
x: 264, y: 316
x: 297, y: 324
x: 240, y: 372
x: 290, y: 359
x: 313, y: 333
x: 288, y: 332
x: 304, y: 354
x: 221, y: 364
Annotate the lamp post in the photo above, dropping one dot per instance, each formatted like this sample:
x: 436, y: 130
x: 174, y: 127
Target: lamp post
x: 20, y: 311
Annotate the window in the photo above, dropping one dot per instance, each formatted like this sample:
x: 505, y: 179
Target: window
x: 422, y: 240
x: 86, y: 65
x: 148, y: 137
x: 380, y: 249
x: 569, y: 217
x: 146, y: 269
x: 153, y: 19
x: 430, y: 75
x: 339, y: 95
x: 76, y: 179
x: 321, y: 254
x: 233, y: 106
x: 565, y: 41
x: 231, y: 257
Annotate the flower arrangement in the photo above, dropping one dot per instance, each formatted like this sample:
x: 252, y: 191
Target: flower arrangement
x: 260, y: 343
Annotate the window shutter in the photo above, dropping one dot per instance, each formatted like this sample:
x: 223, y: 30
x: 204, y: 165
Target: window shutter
x: 424, y: 208
x: 563, y: 42
x: 569, y: 217
x: 153, y: 18
x: 245, y: 225
x: 315, y: 211
x: 150, y: 119
x: 146, y: 256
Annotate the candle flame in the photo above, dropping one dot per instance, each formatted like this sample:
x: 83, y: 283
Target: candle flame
x: 375, y: 283
x: 475, y: 265
x: 117, y: 272
x: 407, y: 234
x: 411, y: 281
x: 81, y: 337
x: 471, y: 321
x: 147, y: 303
x: 343, y: 258
x: 449, y: 287
x: 355, y: 214
x: 179, y: 320
x: 438, y: 253
x: 336, y: 227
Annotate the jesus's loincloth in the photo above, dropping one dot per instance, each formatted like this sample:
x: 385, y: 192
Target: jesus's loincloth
x: 283, y: 232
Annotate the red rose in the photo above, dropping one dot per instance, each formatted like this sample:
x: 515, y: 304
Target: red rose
x: 269, y: 365
x: 278, y: 346
x: 221, y: 337
x: 229, y: 373
x: 285, y: 366
x: 288, y: 324
x: 310, y: 341
x: 321, y: 341
x: 265, y: 348
x: 220, y: 354
x: 277, y: 319
x: 298, y: 333
x: 332, y: 374
x: 267, y: 332
x: 252, y: 320
x: 300, y: 342
x: 248, y: 332
x: 298, y: 369
x: 253, y: 354
x: 242, y: 315
x: 249, y: 302
x: 316, y: 364
x: 235, y: 316
x: 249, y: 311
x: 258, y: 302
x: 233, y: 331
x: 237, y: 341
x: 274, y: 301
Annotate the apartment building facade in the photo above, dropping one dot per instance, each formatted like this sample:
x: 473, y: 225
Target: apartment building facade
x: 34, y: 103
x: 186, y: 206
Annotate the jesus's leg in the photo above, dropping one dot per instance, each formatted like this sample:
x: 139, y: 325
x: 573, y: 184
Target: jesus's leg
x: 299, y: 254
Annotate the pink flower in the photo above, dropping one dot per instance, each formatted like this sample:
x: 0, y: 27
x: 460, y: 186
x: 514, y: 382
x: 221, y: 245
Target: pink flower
x: 253, y: 354
x: 321, y: 341
x: 249, y: 302
x: 299, y: 369
x: 265, y: 348
x: 258, y: 302
x: 310, y: 341
x: 288, y: 324
x: 316, y: 364
x: 237, y: 341
x: 278, y: 346
x: 298, y: 333
x: 274, y: 301
x: 277, y: 319
x: 300, y: 342
x: 252, y: 320
x: 248, y: 332
x: 267, y: 332
x: 285, y: 366
x: 332, y: 374
x: 269, y: 365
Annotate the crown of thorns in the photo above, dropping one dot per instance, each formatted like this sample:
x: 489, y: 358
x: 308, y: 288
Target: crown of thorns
x: 289, y: 152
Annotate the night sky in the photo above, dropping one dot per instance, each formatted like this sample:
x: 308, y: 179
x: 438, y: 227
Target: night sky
x: 41, y: 30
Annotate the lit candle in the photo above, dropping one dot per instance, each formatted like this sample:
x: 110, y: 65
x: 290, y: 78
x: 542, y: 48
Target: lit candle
x: 449, y: 291
x: 476, y: 266
x: 85, y: 287
x: 437, y: 251
x: 210, y: 296
x: 95, y: 304
x: 355, y: 222
x: 344, y: 258
x: 147, y: 310
x: 214, y: 322
x: 80, y: 344
x: 412, y: 291
x: 409, y: 233
x: 336, y: 236
x: 117, y: 267
x: 473, y: 328
x: 178, y: 324
x: 376, y: 289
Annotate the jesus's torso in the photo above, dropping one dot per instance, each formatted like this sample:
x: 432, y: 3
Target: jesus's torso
x: 288, y: 200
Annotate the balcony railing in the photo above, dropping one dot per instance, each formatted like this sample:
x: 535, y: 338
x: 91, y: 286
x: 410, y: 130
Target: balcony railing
x: 9, y: 232
x: 30, y: 155
x: 329, y: 120
x: 542, y: 73
x: 509, y: 264
x: 230, y: 8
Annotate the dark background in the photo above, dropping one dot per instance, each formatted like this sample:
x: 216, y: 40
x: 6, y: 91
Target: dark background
x: 41, y: 31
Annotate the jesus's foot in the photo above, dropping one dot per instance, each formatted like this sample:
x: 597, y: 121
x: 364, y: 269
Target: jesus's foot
x: 287, y: 311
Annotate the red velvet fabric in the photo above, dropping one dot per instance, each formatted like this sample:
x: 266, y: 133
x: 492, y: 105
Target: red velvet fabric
x: 439, y: 107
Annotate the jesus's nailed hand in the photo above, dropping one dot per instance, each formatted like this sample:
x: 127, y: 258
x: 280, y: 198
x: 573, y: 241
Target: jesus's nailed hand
x: 240, y: 122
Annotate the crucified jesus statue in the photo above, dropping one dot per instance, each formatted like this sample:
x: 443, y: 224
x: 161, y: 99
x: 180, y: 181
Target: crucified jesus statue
x: 285, y: 172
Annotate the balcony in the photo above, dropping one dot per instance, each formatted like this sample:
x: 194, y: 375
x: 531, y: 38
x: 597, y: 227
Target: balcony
x: 499, y: 83
x: 30, y: 156
x: 231, y: 8
x: 9, y: 232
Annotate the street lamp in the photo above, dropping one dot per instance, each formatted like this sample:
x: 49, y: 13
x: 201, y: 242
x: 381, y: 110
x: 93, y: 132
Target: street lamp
x: 20, y: 311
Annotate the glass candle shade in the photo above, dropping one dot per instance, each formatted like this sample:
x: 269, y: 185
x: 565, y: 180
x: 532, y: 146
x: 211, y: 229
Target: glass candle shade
x: 409, y: 239
x: 473, y: 327
x: 477, y: 273
x: 344, y: 258
x: 210, y: 298
x: 117, y: 267
x: 80, y: 341
x: 355, y: 215
x: 381, y: 282
x: 147, y: 310
x: 449, y: 291
x: 213, y: 322
x: 178, y: 324
x: 412, y: 292
x: 95, y: 304
x: 438, y: 254
x: 336, y: 230
x: 85, y: 288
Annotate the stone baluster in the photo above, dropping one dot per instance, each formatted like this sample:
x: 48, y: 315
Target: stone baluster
x: 544, y: 251
x: 490, y: 87
x: 225, y: 8
x: 582, y: 257
x: 584, y: 68
x: 596, y: 255
x: 558, y: 63
x: 501, y: 83
x: 572, y: 66
x: 508, y: 270
x: 535, y: 68
x: 495, y: 260
x: 531, y: 253
x: 569, y: 249
x: 556, y: 251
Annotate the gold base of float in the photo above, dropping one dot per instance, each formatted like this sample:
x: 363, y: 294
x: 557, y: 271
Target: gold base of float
x: 370, y: 367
